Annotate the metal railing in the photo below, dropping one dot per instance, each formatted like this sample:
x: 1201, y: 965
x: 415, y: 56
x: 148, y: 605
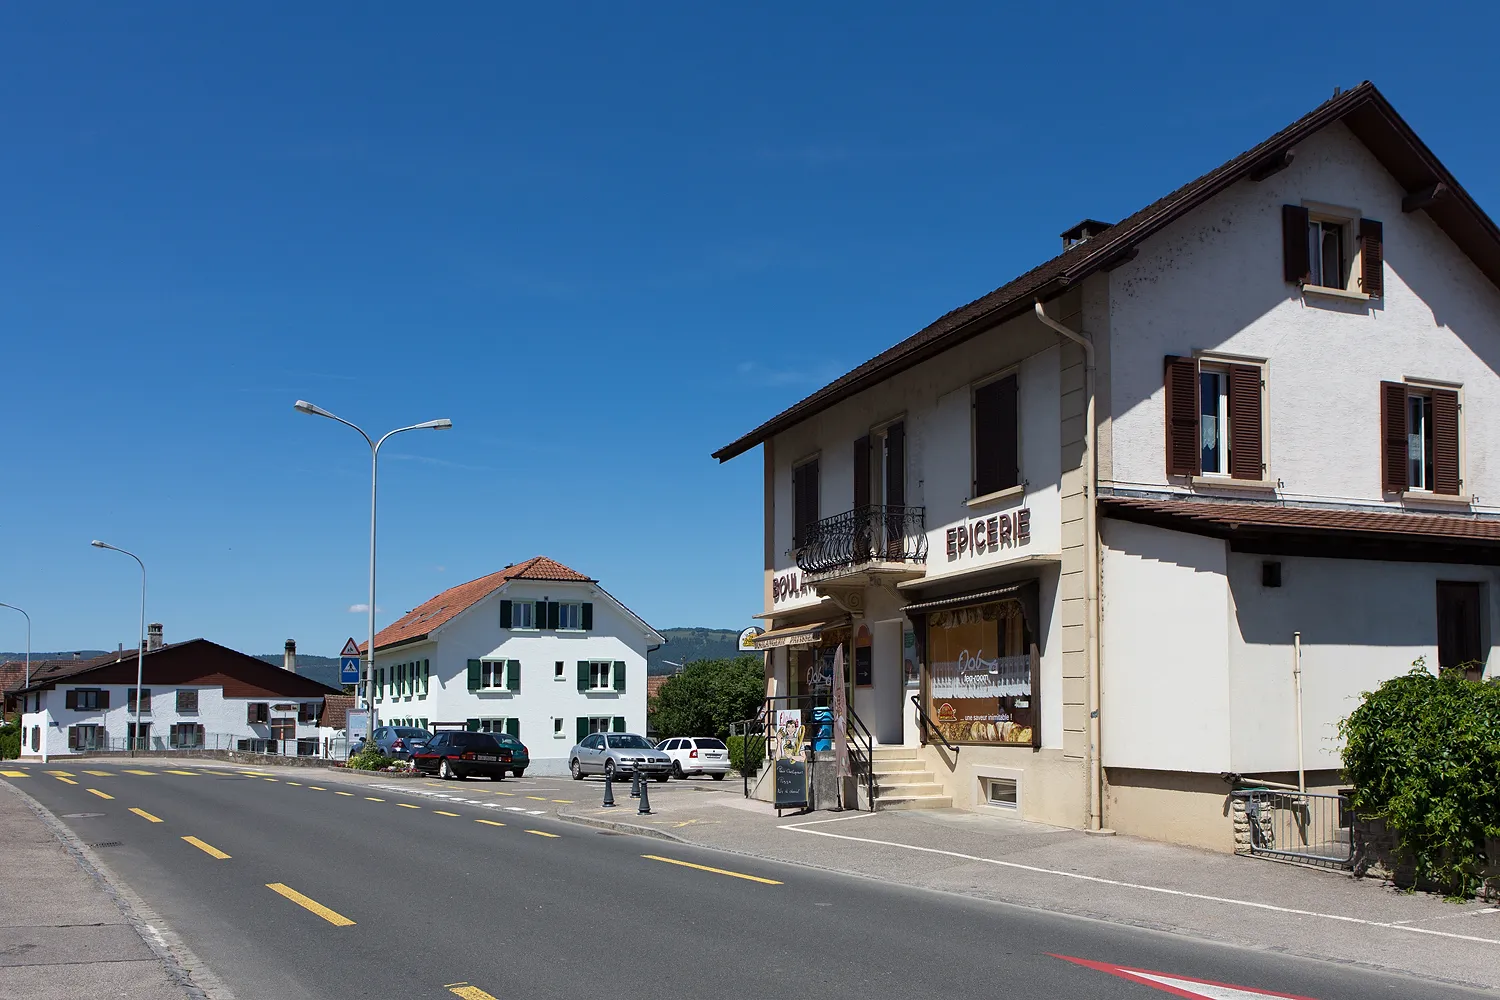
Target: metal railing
x: 861, y: 756
x: 327, y: 748
x: 1310, y: 827
x: 858, y: 737
x: 873, y: 533
x: 929, y: 727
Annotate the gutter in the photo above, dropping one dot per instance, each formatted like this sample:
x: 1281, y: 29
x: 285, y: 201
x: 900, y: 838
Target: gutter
x: 1091, y: 559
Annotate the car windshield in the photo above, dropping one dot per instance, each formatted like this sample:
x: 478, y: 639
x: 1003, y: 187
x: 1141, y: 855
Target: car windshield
x: 710, y: 745
x: 413, y: 734
x: 629, y: 741
x: 474, y: 741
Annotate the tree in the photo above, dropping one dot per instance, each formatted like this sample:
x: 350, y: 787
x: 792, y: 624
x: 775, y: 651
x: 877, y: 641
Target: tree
x: 705, y: 697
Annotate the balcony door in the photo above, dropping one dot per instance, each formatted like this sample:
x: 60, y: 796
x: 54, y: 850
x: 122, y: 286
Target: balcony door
x: 880, y: 491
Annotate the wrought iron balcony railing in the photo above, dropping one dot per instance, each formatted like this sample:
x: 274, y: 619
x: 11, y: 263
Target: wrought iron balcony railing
x: 875, y: 533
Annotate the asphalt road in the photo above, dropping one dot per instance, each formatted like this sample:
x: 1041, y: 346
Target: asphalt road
x: 324, y: 893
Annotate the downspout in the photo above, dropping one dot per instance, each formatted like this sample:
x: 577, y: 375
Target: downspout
x: 1091, y: 557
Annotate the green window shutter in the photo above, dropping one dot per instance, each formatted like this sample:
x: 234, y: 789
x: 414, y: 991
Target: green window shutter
x: 583, y: 729
x: 473, y: 675
x: 426, y: 675
x: 588, y: 616
x: 619, y: 672
x: 505, y: 614
x: 618, y: 724
x: 513, y: 727
x: 539, y: 615
x: 553, y: 614
x: 513, y: 675
x: 583, y: 675
x: 472, y: 725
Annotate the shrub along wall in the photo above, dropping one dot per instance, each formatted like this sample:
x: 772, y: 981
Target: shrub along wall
x: 1422, y: 753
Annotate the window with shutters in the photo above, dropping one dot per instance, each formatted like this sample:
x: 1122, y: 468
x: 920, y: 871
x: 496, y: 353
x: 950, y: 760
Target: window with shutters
x: 599, y: 724
x: 805, y: 501
x: 87, y: 700
x: 599, y: 675
x: 1420, y: 439
x: 186, y: 735
x: 1215, y: 418
x: 996, y: 436
x: 492, y: 725
x: 522, y: 614
x: 187, y: 700
x: 1330, y: 249
x: 145, y: 701
x: 570, y: 616
x: 492, y: 675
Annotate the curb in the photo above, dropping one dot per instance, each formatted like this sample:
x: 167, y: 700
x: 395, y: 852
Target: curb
x: 620, y: 827
x: 183, y: 967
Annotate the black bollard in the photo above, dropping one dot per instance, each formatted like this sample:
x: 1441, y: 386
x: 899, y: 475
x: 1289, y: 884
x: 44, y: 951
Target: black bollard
x: 635, y: 783
x: 609, y: 791
x: 645, y: 809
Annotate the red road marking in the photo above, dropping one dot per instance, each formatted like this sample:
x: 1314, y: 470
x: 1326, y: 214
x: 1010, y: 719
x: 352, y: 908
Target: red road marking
x: 1182, y: 986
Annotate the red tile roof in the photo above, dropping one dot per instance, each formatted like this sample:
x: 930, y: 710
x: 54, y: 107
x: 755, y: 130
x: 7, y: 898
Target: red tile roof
x: 654, y: 683
x: 423, y: 619
x: 1220, y: 518
x: 336, y: 711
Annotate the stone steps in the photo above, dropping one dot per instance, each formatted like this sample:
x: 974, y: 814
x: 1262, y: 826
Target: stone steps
x: 902, y: 781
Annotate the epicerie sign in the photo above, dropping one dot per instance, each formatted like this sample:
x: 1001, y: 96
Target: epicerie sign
x: 990, y: 534
x: 789, y: 585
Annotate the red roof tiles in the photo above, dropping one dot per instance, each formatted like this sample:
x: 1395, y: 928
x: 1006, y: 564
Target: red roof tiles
x: 423, y: 619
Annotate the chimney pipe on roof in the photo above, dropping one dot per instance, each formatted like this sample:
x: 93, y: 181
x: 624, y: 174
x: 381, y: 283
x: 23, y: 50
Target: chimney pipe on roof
x: 77, y: 655
x: 289, y: 658
x: 154, y: 636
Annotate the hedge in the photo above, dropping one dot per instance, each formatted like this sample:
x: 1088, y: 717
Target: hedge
x: 737, y: 760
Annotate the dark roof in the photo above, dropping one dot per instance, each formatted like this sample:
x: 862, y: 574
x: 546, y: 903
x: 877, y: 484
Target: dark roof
x: 1369, y: 534
x: 196, y: 661
x: 1364, y: 110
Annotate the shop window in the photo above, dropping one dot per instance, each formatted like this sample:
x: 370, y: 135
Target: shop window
x: 982, y: 686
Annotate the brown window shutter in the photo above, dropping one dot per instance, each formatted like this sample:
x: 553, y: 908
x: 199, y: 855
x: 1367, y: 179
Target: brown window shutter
x: 1297, y: 266
x: 1445, y: 442
x: 72, y: 737
x: 797, y: 509
x: 895, y: 465
x: 862, y: 471
x: 996, y: 444
x: 804, y: 501
x: 1393, y: 461
x: 1184, y: 454
x: 70, y: 700
x: 1246, y: 453
x: 1372, y: 258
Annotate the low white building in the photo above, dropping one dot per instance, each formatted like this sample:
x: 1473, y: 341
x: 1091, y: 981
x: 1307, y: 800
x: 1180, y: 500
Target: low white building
x: 536, y: 650
x: 195, y: 694
x: 1083, y: 520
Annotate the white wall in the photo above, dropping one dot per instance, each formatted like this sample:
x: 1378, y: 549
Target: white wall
x: 1166, y: 701
x: 476, y: 634
x: 1214, y: 281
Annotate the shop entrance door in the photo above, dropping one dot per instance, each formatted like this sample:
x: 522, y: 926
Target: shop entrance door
x: 889, y: 686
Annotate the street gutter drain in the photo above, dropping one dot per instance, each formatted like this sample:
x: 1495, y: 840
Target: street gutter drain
x: 110, y: 843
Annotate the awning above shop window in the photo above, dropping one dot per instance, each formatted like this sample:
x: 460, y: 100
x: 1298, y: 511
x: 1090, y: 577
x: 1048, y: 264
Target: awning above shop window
x: 963, y: 600
x: 794, y: 635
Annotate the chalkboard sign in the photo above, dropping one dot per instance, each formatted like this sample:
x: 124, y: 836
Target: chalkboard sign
x: 791, y: 783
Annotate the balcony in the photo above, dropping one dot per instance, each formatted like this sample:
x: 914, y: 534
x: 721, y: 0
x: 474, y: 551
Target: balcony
x: 877, y: 539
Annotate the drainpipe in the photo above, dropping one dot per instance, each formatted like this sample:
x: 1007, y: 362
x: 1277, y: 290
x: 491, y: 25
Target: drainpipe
x: 1091, y: 557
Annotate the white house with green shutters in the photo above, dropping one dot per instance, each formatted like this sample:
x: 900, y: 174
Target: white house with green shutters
x: 536, y: 650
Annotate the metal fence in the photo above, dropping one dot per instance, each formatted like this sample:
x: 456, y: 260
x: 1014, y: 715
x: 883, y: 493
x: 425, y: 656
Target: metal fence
x: 326, y: 748
x: 1310, y: 827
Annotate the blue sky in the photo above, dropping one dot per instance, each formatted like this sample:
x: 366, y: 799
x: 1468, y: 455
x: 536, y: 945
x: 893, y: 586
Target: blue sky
x: 604, y: 239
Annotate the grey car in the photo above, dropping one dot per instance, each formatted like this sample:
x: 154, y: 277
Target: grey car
x: 619, y: 755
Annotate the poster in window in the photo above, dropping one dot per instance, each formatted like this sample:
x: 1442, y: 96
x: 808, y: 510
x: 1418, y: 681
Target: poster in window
x: 787, y: 740
x: 980, y: 688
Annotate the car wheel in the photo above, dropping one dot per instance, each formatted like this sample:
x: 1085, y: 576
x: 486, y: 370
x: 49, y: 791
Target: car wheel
x: 518, y: 771
x: 609, y: 770
x: 718, y: 775
x: 444, y: 771
x: 498, y: 776
x: 577, y: 769
x: 677, y: 770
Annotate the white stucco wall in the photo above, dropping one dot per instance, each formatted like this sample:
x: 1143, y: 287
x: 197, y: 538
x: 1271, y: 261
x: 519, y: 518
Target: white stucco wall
x: 476, y: 634
x: 1213, y: 281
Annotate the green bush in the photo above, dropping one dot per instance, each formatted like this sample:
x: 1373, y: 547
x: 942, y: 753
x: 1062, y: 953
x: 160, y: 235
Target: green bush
x: 706, y: 697
x: 370, y: 760
x: 737, y: 760
x: 1423, y: 754
x: 10, y: 740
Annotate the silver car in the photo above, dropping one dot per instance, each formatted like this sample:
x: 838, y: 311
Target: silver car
x: 618, y: 755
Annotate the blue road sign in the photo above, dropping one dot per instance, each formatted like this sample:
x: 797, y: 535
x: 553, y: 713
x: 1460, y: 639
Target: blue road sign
x: 348, y: 670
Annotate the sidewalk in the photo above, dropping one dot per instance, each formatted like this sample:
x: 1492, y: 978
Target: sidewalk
x: 1247, y: 902
x: 68, y: 929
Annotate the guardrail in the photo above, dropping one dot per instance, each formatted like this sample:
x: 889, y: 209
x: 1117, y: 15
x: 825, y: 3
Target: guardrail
x: 1309, y: 827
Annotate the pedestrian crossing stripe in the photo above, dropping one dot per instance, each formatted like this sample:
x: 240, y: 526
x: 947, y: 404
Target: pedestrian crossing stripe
x: 14, y: 774
x: 131, y: 770
x: 101, y: 774
x: 61, y: 774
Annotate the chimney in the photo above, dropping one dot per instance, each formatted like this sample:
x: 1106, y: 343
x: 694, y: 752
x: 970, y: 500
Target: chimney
x: 77, y: 656
x: 1085, y: 230
x: 119, y: 652
x: 289, y: 658
x: 153, y: 636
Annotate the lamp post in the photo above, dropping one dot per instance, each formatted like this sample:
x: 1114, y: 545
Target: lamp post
x: 140, y: 650
x: 303, y: 406
x: 28, y: 661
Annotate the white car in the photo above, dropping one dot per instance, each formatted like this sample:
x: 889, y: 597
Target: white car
x: 697, y: 755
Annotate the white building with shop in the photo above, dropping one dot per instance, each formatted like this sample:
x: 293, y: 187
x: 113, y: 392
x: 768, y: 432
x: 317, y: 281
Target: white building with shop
x: 1081, y: 518
x: 536, y: 650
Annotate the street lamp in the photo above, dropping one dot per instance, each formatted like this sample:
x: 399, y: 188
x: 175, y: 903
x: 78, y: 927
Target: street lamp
x: 303, y: 406
x: 28, y: 644
x: 140, y: 652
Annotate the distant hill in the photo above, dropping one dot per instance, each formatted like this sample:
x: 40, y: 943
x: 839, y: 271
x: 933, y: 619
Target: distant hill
x: 684, y: 645
x: 83, y: 654
x: 324, y: 669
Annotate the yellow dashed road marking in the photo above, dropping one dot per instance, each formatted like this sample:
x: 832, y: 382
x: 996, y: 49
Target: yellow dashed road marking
x: 510, y: 794
x: 190, y: 774
x: 716, y: 871
x: 99, y: 793
x: 468, y: 992
x: 407, y: 805
x: 143, y: 814
x: 374, y: 799
x: 131, y: 770
x: 208, y: 849
x: 488, y: 822
x: 442, y: 813
x: 101, y: 774
x: 350, y: 794
x: 68, y: 780
x: 566, y: 802
x: 543, y: 833
x: 317, y: 788
x: 297, y: 783
x: 311, y: 905
x: 537, y: 798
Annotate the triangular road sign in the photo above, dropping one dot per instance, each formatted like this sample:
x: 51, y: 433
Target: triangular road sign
x: 351, y: 648
x: 1182, y: 986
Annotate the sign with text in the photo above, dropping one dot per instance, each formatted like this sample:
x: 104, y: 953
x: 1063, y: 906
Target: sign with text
x: 989, y: 534
x: 979, y: 674
x: 791, y: 783
x: 790, y: 585
x: 748, y: 637
x: 357, y: 725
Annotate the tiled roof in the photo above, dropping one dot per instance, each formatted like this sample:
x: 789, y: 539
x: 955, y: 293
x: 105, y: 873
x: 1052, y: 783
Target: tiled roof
x: 12, y: 674
x: 1364, y: 110
x: 51, y: 670
x: 336, y: 711
x: 426, y: 617
x: 1221, y: 518
x: 654, y: 683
